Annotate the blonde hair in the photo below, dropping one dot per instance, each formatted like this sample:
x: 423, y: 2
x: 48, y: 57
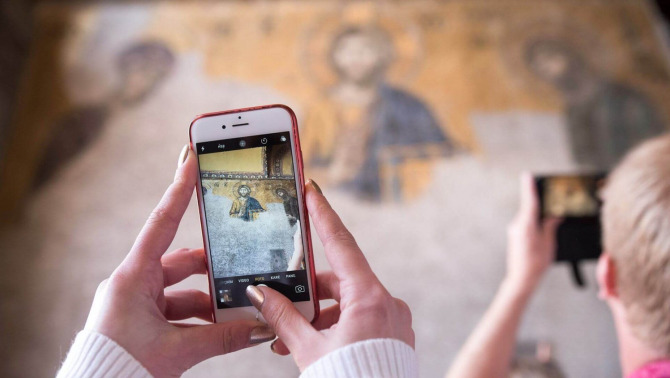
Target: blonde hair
x: 636, y: 233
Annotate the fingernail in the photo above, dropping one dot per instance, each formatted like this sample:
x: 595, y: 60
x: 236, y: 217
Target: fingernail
x: 272, y: 347
x: 256, y: 296
x: 314, y: 185
x: 261, y: 334
x: 183, y: 155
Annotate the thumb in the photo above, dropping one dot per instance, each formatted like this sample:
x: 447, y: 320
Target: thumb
x: 199, y: 343
x: 283, y: 317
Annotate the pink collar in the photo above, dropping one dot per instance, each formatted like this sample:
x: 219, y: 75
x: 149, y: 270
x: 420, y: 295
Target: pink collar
x: 656, y: 369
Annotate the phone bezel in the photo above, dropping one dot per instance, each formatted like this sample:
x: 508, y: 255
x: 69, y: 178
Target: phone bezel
x: 261, y: 120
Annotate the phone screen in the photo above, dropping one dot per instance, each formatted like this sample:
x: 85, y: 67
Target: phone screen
x: 252, y: 216
x: 571, y: 196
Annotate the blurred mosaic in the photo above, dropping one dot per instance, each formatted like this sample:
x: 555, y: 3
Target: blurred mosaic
x: 382, y: 90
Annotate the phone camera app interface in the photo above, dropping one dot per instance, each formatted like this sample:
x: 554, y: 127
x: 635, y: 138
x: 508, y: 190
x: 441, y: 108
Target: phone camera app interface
x: 253, y: 219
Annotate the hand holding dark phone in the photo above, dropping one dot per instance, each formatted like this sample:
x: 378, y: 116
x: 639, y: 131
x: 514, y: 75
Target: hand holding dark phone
x: 574, y: 199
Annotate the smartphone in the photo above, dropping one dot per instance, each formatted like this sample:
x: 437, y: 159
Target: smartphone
x: 574, y: 199
x: 255, y: 225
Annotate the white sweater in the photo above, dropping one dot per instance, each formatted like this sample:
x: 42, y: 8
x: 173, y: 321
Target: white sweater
x: 95, y: 355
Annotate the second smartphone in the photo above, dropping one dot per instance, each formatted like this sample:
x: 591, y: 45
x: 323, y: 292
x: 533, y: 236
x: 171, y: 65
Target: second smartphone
x: 252, y: 209
x: 574, y: 199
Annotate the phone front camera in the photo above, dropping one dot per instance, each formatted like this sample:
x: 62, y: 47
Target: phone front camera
x: 223, y: 127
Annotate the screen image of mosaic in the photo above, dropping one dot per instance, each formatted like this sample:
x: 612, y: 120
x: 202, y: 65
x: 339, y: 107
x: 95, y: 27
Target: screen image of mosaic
x: 251, y: 209
x: 571, y: 196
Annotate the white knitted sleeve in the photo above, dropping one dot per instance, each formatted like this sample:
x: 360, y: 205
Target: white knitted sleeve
x: 95, y: 355
x: 370, y: 358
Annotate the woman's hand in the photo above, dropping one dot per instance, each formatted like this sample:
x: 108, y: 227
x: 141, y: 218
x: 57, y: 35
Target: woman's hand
x: 531, y: 243
x: 365, y: 309
x: 133, y: 308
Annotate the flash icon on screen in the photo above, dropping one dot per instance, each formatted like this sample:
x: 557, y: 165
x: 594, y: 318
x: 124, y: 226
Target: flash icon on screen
x: 283, y: 138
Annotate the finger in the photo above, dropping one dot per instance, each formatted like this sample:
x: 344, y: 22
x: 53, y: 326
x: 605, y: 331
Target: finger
x: 529, y: 199
x: 182, y: 263
x: 185, y: 325
x: 342, y: 252
x: 327, y: 317
x: 328, y: 286
x: 278, y: 347
x: 283, y: 317
x: 202, y: 342
x: 185, y: 304
x: 160, y: 228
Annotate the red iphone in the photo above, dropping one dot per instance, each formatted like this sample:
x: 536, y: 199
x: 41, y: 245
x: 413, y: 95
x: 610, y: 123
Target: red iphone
x: 255, y: 225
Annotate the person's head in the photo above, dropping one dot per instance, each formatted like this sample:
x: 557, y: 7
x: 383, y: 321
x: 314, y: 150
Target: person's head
x: 142, y: 67
x: 634, y: 270
x: 243, y: 191
x: 361, y: 54
x: 281, y: 193
x: 552, y: 60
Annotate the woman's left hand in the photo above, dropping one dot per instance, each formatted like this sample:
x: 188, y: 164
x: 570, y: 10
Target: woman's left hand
x: 132, y: 307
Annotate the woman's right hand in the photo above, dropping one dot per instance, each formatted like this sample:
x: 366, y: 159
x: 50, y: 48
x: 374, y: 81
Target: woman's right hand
x: 365, y: 309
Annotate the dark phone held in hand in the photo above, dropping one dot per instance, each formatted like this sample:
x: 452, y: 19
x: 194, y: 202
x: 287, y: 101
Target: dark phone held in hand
x: 575, y: 199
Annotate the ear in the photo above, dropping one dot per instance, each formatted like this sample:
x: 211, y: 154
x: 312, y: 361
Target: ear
x: 606, y: 276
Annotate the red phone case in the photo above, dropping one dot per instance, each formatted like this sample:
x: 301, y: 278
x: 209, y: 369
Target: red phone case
x: 301, y: 181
